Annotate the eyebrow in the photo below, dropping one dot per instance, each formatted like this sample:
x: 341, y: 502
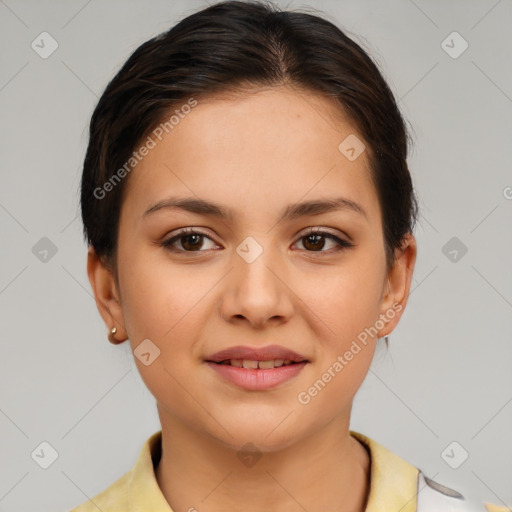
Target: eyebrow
x: 291, y: 212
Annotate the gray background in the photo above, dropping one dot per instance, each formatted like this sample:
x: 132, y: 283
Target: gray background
x: 447, y: 374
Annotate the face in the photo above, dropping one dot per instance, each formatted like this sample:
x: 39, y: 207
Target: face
x: 254, y: 276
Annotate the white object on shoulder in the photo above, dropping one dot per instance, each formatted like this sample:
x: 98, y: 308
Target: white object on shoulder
x: 434, y: 497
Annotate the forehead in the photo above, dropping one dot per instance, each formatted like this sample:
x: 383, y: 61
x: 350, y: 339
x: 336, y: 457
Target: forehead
x: 269, y: 147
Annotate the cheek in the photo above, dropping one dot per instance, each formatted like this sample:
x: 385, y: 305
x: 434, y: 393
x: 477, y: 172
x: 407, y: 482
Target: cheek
x: 332, y: 391
x: 345, y: 303
x: 344, y: 311
x: 344, y: 298
x: 161, y: 302
x: 158, y: 297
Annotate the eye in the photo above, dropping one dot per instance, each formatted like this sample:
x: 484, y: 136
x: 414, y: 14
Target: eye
x: 190, y: 240
x: 314, y: 241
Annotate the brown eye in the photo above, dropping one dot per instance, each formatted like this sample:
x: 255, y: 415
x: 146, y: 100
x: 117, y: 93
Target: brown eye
x: 315, y: 241
x: 192, y: 242
x: 187, y: 241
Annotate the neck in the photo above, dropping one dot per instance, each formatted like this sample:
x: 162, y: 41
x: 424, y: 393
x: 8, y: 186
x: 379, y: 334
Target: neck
x: 325, y: 471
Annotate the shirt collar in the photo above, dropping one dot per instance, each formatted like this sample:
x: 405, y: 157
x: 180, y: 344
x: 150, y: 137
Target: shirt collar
x: 393, y: 480
x: 144, y: 494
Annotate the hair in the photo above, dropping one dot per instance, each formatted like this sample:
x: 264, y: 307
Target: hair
x: 230, y: 46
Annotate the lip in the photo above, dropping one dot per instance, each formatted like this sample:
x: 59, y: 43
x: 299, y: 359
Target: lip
x: 256, y: 354
x: 257, y: 379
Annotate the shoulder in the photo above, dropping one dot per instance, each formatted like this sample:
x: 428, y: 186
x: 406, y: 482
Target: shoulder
x: 398, y: 485
x: 114, y: 498
x: 137, y: 489
x: 433, y: 497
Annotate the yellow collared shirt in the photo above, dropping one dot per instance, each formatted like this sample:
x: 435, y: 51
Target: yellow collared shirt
x: 395, y: 486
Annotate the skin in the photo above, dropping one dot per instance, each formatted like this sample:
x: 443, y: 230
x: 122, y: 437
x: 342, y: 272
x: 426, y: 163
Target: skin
x: 254, y: 153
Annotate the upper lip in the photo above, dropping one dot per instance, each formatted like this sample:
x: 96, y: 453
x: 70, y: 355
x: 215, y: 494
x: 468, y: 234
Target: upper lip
x: 266, y: 353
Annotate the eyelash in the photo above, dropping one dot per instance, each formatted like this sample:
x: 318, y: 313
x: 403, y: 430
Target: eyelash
x: 342, y: 244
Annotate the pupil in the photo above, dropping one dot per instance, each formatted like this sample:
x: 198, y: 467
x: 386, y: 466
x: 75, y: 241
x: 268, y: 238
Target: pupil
x: 195, y: 244
x: 315, y: 242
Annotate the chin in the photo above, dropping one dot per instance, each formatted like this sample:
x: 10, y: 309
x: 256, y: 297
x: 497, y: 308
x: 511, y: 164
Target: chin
x: 265, y: 436
x: 259, y: 443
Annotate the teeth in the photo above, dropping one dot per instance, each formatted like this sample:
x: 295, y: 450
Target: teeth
x: 264, y: 365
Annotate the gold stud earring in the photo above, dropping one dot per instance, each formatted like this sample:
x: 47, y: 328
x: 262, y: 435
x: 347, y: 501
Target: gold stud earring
x: 111, y: 336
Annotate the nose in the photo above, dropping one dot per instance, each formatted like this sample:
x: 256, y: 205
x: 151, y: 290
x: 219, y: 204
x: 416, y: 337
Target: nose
x: 258, y: 291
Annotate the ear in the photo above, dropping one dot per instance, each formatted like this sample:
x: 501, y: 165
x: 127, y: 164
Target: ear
x: 106, y: 294
x: 397, y: 285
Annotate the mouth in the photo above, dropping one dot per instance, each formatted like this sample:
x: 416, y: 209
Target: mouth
x: 255, y: 364
x: 257, y: 369
x: 270, y: 356
x: 256, y: 375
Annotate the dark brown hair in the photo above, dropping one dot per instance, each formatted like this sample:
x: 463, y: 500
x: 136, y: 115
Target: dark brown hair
x: 229, y: 46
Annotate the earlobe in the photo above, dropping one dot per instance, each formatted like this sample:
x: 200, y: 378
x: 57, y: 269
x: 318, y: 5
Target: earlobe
x: 398, y: 284
x: 106, y: 294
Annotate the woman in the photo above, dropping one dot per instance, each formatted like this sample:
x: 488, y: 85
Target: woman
x: 250, y: 213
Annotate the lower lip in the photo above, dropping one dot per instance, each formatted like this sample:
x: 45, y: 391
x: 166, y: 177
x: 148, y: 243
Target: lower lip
x: 255, y: 379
